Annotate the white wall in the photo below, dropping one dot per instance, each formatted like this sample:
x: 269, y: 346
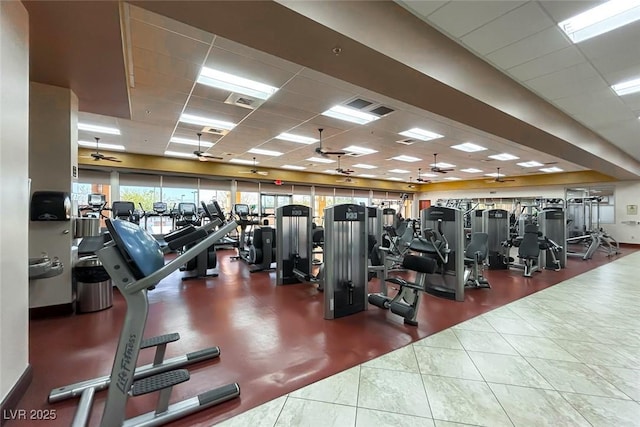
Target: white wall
x: 14, y: 194
x: 626, y: 193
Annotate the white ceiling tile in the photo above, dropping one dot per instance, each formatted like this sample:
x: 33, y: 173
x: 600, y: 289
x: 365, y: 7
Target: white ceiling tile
x: 215, y: 109
x: 421, y: 7
x: 561, y: 10
x: 458, y: 18
x: 617, y: 72
x: 545, y: 42
x: 547, y: 64
x: 624, y: 134
x: 509, y: 28
x: 161, y: 82
x: 633, y: 102
x: 567, y: 82
x: 616, y: 46
x: 158, y: 40
x: 265, y: 58
x: 286, y: 110
x: 163, y: 64
x: 139, y: 14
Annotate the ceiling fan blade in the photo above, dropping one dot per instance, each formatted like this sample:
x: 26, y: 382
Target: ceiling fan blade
x: 263, y: 173
x: 112, y: 159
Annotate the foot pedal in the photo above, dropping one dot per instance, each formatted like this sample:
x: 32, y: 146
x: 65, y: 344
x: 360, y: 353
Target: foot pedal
x: 161, y: 339
x: 159, y: 382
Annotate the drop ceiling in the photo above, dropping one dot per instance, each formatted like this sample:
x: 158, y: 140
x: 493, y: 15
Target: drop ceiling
x: 166, y: 57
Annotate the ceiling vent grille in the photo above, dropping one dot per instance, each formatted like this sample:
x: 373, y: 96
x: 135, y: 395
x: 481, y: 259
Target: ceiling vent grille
x: 243, y: 101
x: 214, y: 131
x: 407, y: 141
x: 356, y: 154
x: 370, y: 107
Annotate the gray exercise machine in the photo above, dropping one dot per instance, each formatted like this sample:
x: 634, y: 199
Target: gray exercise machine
x: 345, y: 260
x: 135, y: 262
x: 294, y: 245
x: 443, y: 239
x: 495, y: 222
x: 552, y: 223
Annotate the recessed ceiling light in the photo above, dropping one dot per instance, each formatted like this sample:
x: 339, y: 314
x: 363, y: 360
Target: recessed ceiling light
x: 552, y: 169
x: 394, y: 178
x: 363, y: 166
x: 186, y: 141
x: 101, y: 145
x: 178, y: 154
x: 504, y: 157
x: 494, y: 174
x: 442, y: 165
x: 429, y: 175
x: 226, y: 81
x: 329, y: 171
x: 205, y: 121
x: 470, y: 170
x: 625, y: 88
x: 398, y: 171
x: 601, y: 19
x: 297, y: 138
x: 453, y: 178
x: 243, y: 161
x: 531, y: 164
x: 404, y: 158
x: 422, y: 134
x: 350, y: 115
x: 469, y: 147
x: 294, y: 167
x: 359, y: 150
x: 366, y: 175
x: 100, y: 129
x: 265, y: 152
x: 320, y: 160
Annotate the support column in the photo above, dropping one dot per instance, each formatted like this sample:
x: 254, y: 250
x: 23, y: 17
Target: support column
x: 53, y: 157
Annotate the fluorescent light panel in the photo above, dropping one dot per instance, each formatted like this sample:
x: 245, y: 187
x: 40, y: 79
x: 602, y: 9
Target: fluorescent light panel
x: 531, y: 164
x: 404, y: 158
x: 320, y: 160
x: 494, y: 174
x: 294, y: 167
x: 359, y: 150
x: 297, y: 138
x: 186, y: 141
x: 206, y: 121
x: 421, y: 134
x: 242, y: 161
x: 330, y: 171
x: 469, y: 147
x: 226, y: 81
x: 504, y: 157
x: 364, y: 166
x: 178, y: 154
x: 442, y: 165
x: 367, y: 175
x: 471, y: 170
x: 601, y: 19
x: 350, y: 115
x: 625, y: 88
x: 100, y: 129
x: 394, y: 178
x: 452, y: 178
x: 429, y: 175
x: 398, y: 171
x: 101, y: 145
x: 265, y: 152
x: 552, y: 169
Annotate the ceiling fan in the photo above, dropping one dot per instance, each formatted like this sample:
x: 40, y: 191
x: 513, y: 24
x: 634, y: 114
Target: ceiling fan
x: 438, y: 169
x: 323, y: 152
x: 256, y: 171
x: 202, y: 155
x: 343, y: 171
x: 411, y: 184
x: 99, y: 156
x: 420, y: 179
x: 500, y: 178
x: 347, y: 179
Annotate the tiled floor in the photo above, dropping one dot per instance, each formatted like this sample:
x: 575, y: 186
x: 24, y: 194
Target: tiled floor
x: 568, y: 355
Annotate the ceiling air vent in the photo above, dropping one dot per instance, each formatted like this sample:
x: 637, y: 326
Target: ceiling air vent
x: 381, y: 111
x: 407, y: 141
x: 243, y: 101
x: 214, y: 131
x: 359, y: 103
x: 370, y: 107
x: 356, y: 154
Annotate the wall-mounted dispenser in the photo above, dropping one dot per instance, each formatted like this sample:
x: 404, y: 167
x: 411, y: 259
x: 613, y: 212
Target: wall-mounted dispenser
x: 50, y: 206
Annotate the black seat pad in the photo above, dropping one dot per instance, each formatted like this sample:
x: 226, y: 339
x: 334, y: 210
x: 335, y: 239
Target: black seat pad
x: 419, y: 264
x: 425, y: 246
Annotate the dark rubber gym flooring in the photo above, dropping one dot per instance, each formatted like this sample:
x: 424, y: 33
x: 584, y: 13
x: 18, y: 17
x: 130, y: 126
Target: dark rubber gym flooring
x: 273, y: 339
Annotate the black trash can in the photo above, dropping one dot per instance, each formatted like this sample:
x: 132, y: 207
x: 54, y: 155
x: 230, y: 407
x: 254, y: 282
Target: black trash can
x: 94, y: 288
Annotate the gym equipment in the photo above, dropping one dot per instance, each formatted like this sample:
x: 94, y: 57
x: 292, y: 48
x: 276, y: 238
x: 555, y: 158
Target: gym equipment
x: 262, y: 251
x: 294, y: 245
x: 377, y: 252
x: 405, y: 302
x: 529, y: 250
x: 443, y: 240
x: 187, y: 215
x: 135, y: 263
x: 125, y: 211
x: 475, y: 255
x: 244, y: 221
x: 345, y: 260
x: 495, y: 222
x: 476, y: 220
x: 552, y: 225
x: 207, y: 259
